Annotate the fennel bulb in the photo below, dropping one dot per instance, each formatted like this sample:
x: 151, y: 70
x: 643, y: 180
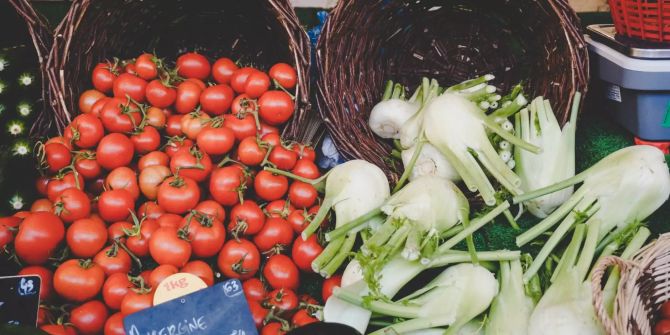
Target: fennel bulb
x: 623, y: 188
x: 388, y: 116
x: 556, y: 162
x: 430, y: 162
x: 457, y: 127
x: 566, y: 307
x: 511, y: 309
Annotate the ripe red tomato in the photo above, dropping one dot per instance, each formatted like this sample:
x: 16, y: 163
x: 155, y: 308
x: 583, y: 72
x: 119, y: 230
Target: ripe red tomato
x: 306, y: 168
x: 191, y: 163
x: 46, y: 279
x: 98, y: 105
x: 284, y: 75
x: 302, y: 318
x: 138, y: 237
x: 267, y: 129
x: 157, y: 117
x: 239, y: 259
x: 273, y: 328
x: 160, y: 273
x: 200, y: 269
x: 62, y: 182
x: 299, y: 220
x: 329, y: 285
x: 193, y: 123
x: 6, y: 237
x: 252, y: 151
x: 279, y: 209
x: 60, y: 140
x: 166, y: 246
x: 275, y: 234
x: 257, y: 83
x: 115, y: 205
x: 89, y: 318
x: 239, y: 78
x: 85, y: 131
x: 305, y: 251
x: 243, y: 104
x: 114, y: 150
x: 223, y: 70
x: 188, y: 97
x: 198, y: 82
x: 41, y: 185
x: 114, y: 325
x: 78, y: 280
x: 137, y: 300
x: 152, y: 159
x: 662, y: 327
x: 275, y: 107
x: 206, y: 234
x: 124, y: 178
x: 128, y: 85
x: 113, y: 260
x: 216, y: 100
x: 145, y: 66
x: 175, y: 143
x: 115, y: 288
x: 178, y: 194
x: 302, y: 194
x: 146, y: 139
x: 86, y: 164
x: 173, y: 125
x: 254, y: 289
x: 665, y: 310
x: 86, y: 237
x: 41, y: 205
x: 151, y: 210
x: 169, y: 220
x: 212, y: 209
x: 104, y: 75
x: 150, y: 178
x: 120, y: 116
x: 285, y: 301
x: 39, y: 235
x: 159, y: 94
x: 281, y: 272
x: 193, y: 65
x: 57, y: 155
x: 215, y: 140
x: 246, y: 218
x: 226, y: 184
x: 242, y: 126
x: 305, y: 152
x: 59, y: 330
x: 72, y: 204
x: 282, y: 157
x: 258, y: 312
x: 116, y: 231
x: 269, y: 186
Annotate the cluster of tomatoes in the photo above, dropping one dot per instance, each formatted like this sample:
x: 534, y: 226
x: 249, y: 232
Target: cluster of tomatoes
x: 164, y: 172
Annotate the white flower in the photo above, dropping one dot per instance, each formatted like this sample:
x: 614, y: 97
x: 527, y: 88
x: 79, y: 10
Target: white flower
x: 26, y: 79
x: 21, y: 148
x: 24, y: 109
x: 3, y: 64
x: 16, y: 202
x: 15, y: 128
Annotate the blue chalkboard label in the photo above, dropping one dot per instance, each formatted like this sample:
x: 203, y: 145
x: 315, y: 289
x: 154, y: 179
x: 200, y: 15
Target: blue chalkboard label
x: 217, y: 310
x: 19, y: 300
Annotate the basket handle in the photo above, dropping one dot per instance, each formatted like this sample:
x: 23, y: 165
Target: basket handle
x: 597, y: 289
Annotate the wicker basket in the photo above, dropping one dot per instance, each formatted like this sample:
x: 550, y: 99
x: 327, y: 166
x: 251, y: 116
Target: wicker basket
x: 258, y: 32
x: 643, y: 287
x: 366, y: 42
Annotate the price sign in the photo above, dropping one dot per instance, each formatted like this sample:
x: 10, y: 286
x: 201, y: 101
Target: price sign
x: 217, y: 310
x: 19, y: 300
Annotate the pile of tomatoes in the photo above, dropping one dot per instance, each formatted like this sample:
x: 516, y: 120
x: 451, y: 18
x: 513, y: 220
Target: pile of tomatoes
x: 163, y: 172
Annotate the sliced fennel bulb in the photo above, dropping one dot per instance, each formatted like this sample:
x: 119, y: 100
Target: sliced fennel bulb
x: 511, y: 309
x: 556, y: 162
x: 566, y: 307
x: 623, y: 188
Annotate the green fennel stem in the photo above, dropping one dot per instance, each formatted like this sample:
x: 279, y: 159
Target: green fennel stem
x: 327, y: 254
x: 340, y: 257
x: 474, y: 226
x: 408, y: 169
x: 388, y: 90
x: 345, y: 228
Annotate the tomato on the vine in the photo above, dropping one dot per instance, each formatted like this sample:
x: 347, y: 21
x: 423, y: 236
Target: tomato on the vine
x: 114, y: 205
x: 269, y: 186
x: 306, y: 168
x: 113, y: 259
x: 251, y: 151
x: 130, y: 86
x: 200, y: 269
x: 169, y: 220
x: 157, y: 117
x: 146, y: 67
x: 254, y: 289
x: 178, y: 194
x: 302, y: 195
x: 281, y: 272
x: 86, y: 237
x: 150, y: 210
x: 114, y: 289
x: 153, y: 158
x: 284, y: 75
x: 279, y: 209
x: 216, y: 140
x: 170, y: 246
x: 86, y: 164
x: 193, y: 65
x: 258, y: 312
x: 160, y: 273
x: 239, y: 78
x: 212, y: 209
x: 191, y: 163
x: 193, y: 123
x: 38, y: 237
x: 114, y: 150
x: 273, y: 328
x: 275, y: 234
x: 284, y: 301
x: 146, y: 139
x: 216, y: 99
x: 188, y: 97
x: 151, y: 177
x: 78, y: 280
x: 62, y: 182
x: 275, y: 107
x: 223, y: 70
x: 98, y: 105
x: 137, y: 300
x: 57, y: 155
x: 89, y: 318
x: 239, y: 259
x: 173, y: 125
x: 175, y: 144
x: 329, y: 285
x: 305, y: 251
x: 206, y: 234
x: 302, y: 317
x: 227, y: 184
x: 138, y: 237
x: 114, y: 325
x: 104, y: 75
x: 246, y: 218
x: 72, y: 204
x: 85, y: 131
x: 242, y: 126
x: 256, y: 84
x: 59, y: 329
